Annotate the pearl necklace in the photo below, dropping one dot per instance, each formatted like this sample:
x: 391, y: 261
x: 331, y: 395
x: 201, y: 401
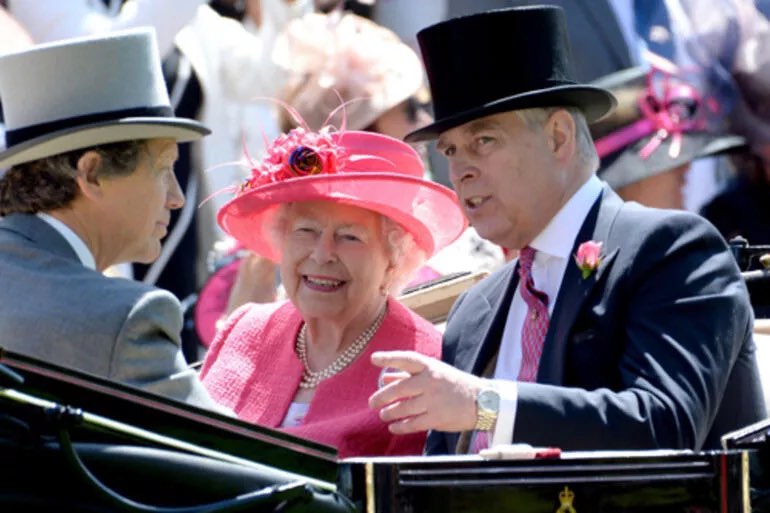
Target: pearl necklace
x: 310, y: 378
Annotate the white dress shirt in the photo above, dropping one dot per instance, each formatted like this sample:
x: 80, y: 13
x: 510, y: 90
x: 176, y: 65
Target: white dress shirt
x: 80, y: 248
x: 554, y: 252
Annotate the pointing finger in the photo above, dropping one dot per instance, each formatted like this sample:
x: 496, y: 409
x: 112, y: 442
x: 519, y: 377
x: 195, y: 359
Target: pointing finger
x: 407, y: 361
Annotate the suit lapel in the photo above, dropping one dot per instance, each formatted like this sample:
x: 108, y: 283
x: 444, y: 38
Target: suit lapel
x: 575, y: 289
x: 491, y: 308
x: 609, y: 31
x: 487, y: 323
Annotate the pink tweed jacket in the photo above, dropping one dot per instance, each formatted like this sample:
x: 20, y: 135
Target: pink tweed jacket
x: 252, y: 368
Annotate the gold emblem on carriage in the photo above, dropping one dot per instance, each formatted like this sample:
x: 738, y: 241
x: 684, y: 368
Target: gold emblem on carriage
x: 566, y: 497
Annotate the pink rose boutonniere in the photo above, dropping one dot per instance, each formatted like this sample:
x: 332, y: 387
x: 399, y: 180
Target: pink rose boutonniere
x: 588, y: 257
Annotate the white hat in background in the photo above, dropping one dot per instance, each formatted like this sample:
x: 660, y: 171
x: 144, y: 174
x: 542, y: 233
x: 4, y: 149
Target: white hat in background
x: 335, y: 54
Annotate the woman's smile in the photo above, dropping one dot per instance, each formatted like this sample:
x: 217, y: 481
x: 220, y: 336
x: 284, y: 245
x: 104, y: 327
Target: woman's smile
x: 322, y: 284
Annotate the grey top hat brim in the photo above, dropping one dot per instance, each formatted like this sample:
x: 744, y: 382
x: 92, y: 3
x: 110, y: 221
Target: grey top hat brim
x: 78, y: 93
x: 94, y: 134
x: 627, y: 166
x: 594, y: 102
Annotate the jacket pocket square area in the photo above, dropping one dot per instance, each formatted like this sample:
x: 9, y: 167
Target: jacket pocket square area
x: 582, y: 337
x: 591, y: 360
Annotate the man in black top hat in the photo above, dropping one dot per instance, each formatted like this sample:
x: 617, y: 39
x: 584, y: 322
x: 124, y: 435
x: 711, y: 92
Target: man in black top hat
x: 619, y: 326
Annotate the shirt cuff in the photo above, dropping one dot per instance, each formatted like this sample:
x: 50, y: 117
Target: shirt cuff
x: 509, y: 393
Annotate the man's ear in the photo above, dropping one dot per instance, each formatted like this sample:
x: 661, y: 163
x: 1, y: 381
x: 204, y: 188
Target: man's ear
x: 562, y: 134
x: 87, y: 175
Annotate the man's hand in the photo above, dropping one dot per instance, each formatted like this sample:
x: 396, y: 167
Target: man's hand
x: 427, y: 394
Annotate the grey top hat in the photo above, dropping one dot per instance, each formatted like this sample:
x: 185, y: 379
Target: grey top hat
x: 83, y: 92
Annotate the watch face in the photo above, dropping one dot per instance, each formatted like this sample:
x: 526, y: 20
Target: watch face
x: 489, y: 399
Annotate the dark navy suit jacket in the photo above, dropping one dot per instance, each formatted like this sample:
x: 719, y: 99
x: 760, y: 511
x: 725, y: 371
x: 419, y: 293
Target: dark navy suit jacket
x: 653, y: 350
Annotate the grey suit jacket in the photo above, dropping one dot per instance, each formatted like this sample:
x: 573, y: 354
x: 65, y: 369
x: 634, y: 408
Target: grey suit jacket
x: 653, y: 350
x: 57, y: 310
x: 596, y: 40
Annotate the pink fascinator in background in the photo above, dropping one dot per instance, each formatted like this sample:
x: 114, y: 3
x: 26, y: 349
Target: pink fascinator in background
x: 664, y: 119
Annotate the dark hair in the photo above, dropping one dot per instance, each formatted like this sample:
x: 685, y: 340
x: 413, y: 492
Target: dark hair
x: 49, y: 183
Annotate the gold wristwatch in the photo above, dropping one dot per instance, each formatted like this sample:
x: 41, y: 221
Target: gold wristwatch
x: 487, y: 408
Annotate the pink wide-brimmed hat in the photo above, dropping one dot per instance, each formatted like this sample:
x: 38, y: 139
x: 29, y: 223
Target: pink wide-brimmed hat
x: 363, y: 169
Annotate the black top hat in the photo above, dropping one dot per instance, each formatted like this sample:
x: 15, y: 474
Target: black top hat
x: 502, y: 60
x: 662, y: 122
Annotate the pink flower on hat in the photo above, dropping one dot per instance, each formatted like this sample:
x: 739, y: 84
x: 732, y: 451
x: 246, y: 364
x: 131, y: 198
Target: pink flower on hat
x: 589, y: 257
x: 296, y: 154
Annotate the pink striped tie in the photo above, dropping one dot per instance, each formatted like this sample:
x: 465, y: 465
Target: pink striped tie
x: 532, y: 333
x: 480, y: 441
x: 536, y: 322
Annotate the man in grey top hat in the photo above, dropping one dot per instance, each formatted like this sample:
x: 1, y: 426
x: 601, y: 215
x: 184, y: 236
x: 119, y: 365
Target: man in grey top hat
x: 619, y: 326
x: 91, y: 146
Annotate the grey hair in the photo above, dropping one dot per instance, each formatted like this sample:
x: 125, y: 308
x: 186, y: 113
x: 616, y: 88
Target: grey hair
x: 586, y: 151
x: 401, y: 249
x: 404, y: 253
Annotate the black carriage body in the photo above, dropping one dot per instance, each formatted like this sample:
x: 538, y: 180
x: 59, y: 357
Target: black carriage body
x: 657, y: 481
x: 163, y: 455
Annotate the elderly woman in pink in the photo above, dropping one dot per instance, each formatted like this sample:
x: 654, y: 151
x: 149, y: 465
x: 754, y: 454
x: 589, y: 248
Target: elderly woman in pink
x: 349, y: 217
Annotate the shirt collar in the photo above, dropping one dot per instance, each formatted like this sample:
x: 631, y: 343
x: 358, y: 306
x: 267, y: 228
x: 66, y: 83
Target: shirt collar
x: 80, y: 248
x: 559, y: 235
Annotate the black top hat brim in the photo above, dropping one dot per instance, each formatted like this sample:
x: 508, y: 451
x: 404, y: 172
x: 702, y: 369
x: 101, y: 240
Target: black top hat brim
x: 104, y: 132
x: 626, y: 166
x: 594, y: 102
